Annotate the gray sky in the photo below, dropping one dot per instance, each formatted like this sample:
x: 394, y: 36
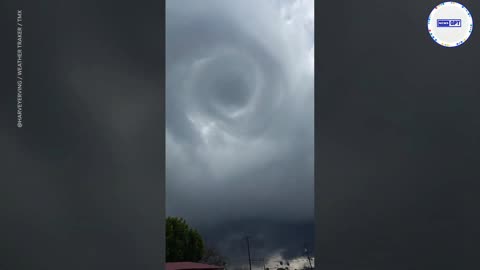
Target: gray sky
x: 397, y: 136
x: 239, y: 120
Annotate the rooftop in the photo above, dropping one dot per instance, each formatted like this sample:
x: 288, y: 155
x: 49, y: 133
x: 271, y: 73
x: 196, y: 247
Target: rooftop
x: 191, y: 266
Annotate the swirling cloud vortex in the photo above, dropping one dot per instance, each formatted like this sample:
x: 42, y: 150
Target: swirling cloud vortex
x: 239, y: 99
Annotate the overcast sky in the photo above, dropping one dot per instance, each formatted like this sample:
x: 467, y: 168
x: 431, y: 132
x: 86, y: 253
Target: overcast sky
x: 398, y: 128
x: 239, y: 121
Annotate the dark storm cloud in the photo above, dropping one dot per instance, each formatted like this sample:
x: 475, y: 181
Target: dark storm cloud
x: 82, y: 182
x: 239, y: 117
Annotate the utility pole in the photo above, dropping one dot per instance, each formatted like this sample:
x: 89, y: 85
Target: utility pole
x: 248, y: 249
x: 259, y: 261
x: 308, y: 257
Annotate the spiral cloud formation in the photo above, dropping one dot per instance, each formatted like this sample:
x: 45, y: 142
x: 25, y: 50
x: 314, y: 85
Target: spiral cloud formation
x: 239, y: 111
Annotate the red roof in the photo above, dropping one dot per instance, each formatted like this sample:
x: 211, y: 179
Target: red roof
x: 191, y: 266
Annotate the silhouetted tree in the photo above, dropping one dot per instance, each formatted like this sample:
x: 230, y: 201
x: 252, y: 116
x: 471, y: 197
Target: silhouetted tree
x: 183, y: 243
x: 213, y: 257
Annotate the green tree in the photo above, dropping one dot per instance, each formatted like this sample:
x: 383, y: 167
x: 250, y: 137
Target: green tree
x: 183, y: 243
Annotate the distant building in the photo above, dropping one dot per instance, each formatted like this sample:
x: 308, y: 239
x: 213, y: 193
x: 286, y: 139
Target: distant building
x: 192, y: 266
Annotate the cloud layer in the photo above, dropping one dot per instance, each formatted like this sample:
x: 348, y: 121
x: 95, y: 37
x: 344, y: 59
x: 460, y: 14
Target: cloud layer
x: 239, y: 111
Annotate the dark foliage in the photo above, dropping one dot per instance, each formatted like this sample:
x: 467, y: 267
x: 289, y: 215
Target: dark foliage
x: 183, y: 243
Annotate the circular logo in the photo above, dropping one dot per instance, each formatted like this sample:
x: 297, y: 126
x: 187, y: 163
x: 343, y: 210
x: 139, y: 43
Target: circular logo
x: 450, y: 24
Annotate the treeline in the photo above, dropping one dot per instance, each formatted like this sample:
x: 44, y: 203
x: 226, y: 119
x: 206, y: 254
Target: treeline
x: 185, y: 244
